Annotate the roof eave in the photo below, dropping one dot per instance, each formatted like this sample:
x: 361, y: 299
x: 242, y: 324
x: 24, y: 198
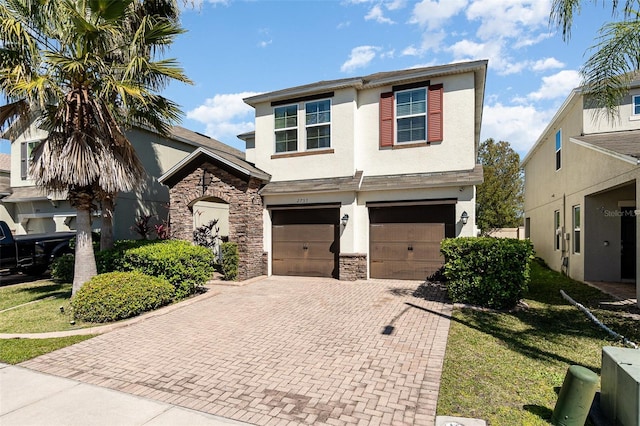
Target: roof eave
x: 624, y: 157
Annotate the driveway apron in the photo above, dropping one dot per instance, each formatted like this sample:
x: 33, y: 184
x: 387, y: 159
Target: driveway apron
x: 283, y: 350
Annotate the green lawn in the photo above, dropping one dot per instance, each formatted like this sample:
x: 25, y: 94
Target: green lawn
x: 14, y: 351
x: 34, y: 307
x: 506, y: 367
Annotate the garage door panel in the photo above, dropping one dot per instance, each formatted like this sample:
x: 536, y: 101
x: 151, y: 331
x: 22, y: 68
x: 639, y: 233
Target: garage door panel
x: 405, y: 250
x: 304, y: 249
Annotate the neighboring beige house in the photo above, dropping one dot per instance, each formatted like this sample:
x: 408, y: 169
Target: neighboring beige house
x: 353, y: 178
x: 5, y: 189
x: 581, y: 182
x: 30, y: 210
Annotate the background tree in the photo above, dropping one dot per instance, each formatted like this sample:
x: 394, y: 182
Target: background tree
x: 499, y: 200
x: 615, y: 58
x: 85, y: 70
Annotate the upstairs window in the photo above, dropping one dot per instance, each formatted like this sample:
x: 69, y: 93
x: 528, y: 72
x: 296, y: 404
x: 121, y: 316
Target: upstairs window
x: 308, y: 122
x: 636, y: 105
x: 411, y: 115
x: 286, y: 125
x: 26, y: 150
x: 558, y: 149
x: 318, y: 119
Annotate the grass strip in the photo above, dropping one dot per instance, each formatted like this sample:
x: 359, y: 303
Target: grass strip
x: 14, y: 351
x: 506, y: 367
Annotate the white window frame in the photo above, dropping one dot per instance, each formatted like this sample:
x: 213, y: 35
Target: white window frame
x: 635, y: 101
x: 315, y: 125
x: 398, y: 117
x: 302, y: 126
x: 576, y: 229
x: 31, y: 144
x: 557, y: 231
x: 286, y: 129
x: 558, y: 150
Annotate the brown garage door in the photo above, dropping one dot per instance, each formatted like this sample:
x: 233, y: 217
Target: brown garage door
x: 302, y: 244
x: 406, y: 251
x: 404, y: 242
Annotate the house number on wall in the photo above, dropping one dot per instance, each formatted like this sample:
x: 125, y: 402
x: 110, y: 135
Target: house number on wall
x: 302, y: 200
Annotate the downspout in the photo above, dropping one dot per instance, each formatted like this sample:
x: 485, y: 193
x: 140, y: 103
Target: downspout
x: 565, y: 241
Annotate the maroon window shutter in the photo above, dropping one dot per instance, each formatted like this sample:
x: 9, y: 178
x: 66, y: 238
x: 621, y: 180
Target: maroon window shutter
x: 386, y: 119
x: 434, y: 113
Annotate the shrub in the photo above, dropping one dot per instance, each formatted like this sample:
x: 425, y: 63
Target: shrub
x: 230, y: 259
x: 184, y: 265
x: 489, y: 272
x: 119, y: 295
x: 111, y: 260
x: 62, y: 268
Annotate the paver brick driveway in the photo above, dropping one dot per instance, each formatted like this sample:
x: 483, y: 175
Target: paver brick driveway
x: 283, y: 350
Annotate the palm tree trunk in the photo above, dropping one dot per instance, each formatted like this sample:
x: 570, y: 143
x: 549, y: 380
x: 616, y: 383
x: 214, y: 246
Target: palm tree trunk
x: 85, y: 265
x: 106, y: 230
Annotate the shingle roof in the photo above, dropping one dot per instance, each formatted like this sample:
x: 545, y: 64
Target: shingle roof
x: 625, y: 143
x: 333, y: 184
x: 423, y: 180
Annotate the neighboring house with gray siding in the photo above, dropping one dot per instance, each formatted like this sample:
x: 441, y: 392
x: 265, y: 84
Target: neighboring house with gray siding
x: 582, y: 178
x: 30, y: 210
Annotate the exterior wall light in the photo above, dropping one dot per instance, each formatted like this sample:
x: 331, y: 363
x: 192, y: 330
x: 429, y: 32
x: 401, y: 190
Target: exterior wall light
x: 464, y: 217
x: 345, y: 219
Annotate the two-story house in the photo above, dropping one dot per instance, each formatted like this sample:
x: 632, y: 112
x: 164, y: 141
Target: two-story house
x: 582, y: 177
x: 29, y: 210
x: 352, y: 178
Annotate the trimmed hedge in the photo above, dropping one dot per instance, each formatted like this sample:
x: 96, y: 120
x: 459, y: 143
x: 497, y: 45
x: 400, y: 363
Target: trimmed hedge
x: 230, y: 259
x: 111, y: 260
x: 119, y: 295
x: 184, y: 265
x: 489, y: 272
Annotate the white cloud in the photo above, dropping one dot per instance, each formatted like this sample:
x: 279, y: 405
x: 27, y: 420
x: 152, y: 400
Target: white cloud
x: 556, y: 86
x: 546, y: 64
x: 508, y: 18
x: 360, y: 57
x: 225, y: 115
x: 520, y: 125
x: 435, y: 13
x: 377, y: 15
x: 395, y: 4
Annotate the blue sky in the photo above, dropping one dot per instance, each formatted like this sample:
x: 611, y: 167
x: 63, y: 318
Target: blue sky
x: 236, y: 48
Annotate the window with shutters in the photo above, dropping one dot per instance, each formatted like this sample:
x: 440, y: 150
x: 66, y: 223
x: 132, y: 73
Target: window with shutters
x: 410, y: 116
x: 26, y: 149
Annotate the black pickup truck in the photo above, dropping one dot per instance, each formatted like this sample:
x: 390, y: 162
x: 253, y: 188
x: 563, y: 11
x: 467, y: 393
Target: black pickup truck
x: 33, y: 253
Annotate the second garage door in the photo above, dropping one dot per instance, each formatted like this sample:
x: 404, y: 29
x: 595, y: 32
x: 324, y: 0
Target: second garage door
x: 405, y: 241
x: 305, y: 242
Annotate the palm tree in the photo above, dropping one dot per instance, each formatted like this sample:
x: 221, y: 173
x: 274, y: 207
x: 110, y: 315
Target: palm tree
x: 86, y: 70
x: 615, y: 59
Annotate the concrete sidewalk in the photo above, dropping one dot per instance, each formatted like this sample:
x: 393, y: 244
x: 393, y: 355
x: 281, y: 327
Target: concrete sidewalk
x: 28, y: 397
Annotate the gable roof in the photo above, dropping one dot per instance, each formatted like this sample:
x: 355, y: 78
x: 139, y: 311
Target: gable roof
x: 198, y: 139
x: 623, y: 145
x: 229, y: 161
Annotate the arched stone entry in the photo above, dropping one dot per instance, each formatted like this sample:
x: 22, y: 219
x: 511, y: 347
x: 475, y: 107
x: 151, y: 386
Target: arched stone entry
x: 199, y: 178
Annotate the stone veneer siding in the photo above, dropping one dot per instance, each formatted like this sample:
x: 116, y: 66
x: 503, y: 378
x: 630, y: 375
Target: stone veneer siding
x: 353, y: 266
x: 245, y: 212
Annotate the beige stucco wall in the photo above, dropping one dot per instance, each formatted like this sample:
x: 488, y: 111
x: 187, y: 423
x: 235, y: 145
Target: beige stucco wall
x: 584, y: 172
x: 596, y: 120
x: 355, y: 138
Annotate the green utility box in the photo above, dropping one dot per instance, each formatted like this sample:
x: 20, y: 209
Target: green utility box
x: 575, y: 397
x: 620, y: 385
